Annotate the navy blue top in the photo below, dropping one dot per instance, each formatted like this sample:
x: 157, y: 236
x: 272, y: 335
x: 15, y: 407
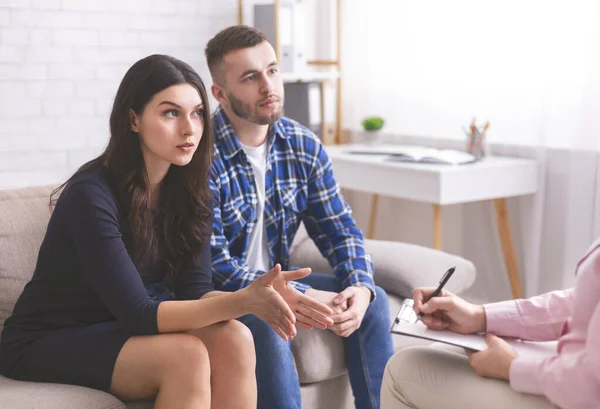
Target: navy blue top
x: 85, y: 275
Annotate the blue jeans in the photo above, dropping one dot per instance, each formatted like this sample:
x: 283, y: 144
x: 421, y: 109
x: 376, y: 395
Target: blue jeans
x: 367, y: 351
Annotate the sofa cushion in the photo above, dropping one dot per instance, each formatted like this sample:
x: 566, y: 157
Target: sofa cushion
x: 320, y: 355
x: 399, y: 267
x: 26, y: 395
x: 24, y: 216
x: 330, y: 394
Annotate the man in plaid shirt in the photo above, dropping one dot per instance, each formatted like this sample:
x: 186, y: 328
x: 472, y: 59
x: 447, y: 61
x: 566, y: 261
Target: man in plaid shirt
x: 269, y: 174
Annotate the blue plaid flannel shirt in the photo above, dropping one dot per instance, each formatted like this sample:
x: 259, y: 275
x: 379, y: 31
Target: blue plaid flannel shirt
x: 300, y: 186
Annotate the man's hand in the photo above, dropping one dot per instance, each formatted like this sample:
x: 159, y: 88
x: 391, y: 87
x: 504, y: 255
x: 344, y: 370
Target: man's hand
x: 358, y: 299
x: 309, y: 311
x: 327, y: 298
x: 495, y: 361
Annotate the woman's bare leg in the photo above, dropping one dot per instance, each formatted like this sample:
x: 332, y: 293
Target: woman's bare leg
x: 233, y: 364
x: 174, y: 368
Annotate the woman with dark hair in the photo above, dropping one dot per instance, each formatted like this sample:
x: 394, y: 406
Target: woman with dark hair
x: 139, y: 214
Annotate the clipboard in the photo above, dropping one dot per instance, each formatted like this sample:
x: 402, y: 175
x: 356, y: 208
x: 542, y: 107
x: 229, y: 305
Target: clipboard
x: 406, y: 323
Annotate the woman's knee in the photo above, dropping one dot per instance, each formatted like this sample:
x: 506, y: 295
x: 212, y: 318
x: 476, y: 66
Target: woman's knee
x: 231, y: 349
x: 147, y: 364
x: 235, y: 336
x: 187, y: 355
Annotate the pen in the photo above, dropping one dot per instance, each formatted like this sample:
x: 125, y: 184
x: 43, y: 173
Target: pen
x: 443, y: 282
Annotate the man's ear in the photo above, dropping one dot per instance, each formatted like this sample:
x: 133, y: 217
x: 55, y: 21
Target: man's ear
x: 134, y: 120
x: 218, y: 93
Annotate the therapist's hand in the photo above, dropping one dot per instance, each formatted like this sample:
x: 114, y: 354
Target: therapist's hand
x: 448, y: 311
x: 495, y: 361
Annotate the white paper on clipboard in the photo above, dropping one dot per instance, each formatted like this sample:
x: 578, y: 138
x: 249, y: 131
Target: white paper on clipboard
x: 407, y: 323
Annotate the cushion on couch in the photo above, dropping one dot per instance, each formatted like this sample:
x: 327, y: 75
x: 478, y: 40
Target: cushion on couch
x: 24, y: 216
x: 14, y: 394
x: 319, y: 355
x: 401, y: 267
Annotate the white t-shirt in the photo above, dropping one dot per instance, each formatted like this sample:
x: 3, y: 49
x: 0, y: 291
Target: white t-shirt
x: 257, y: 256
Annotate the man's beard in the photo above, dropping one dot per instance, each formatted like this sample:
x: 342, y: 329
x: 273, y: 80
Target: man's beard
x: 245, y: 111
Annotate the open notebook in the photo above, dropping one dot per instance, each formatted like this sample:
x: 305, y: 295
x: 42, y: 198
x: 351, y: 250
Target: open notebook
x: 407, y: 323
x: 417, y: 154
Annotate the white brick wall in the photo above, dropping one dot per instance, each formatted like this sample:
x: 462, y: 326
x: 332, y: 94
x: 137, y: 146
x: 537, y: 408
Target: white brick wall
x: 60, y: 65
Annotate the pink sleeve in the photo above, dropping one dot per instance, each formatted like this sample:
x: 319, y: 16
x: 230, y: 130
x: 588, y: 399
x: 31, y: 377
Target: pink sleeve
x: 569, y: 380
x: 539, y: 318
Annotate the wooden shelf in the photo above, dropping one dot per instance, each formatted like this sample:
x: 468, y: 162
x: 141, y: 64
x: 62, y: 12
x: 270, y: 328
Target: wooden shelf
x: 309, y: 76
x: 323, y: 62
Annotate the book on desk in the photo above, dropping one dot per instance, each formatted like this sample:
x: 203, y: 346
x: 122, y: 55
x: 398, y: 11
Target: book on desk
x: 416, y: 154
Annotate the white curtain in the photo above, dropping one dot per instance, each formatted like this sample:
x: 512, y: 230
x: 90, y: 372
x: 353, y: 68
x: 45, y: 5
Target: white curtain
x: 530, y: 67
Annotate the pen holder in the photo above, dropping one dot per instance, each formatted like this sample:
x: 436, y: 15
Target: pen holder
x: 477, y: 145
x: 476, y: 139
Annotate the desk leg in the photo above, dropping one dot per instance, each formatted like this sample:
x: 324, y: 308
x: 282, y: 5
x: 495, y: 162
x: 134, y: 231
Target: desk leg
x: 437, y: 227
x: 372, y: 216
x: 508, y: 249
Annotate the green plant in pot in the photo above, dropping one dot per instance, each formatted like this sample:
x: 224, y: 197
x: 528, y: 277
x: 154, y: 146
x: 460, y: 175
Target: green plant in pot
x: 372, y: 125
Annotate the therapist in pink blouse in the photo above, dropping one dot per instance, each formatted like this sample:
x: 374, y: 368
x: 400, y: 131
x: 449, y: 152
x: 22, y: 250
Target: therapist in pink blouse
x: 442, y: 377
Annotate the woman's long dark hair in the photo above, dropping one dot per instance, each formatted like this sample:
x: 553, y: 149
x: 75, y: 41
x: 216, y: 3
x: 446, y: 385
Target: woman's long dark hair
x: 182, y: 220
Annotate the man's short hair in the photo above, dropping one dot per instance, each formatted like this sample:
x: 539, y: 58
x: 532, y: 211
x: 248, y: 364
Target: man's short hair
x: 227, y: 40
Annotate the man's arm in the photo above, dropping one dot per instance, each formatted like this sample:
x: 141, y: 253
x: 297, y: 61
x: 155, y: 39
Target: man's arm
x: 229, y: 273
x: 330, y: 224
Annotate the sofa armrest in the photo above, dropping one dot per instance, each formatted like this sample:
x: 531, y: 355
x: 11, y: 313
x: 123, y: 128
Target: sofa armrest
x: 399, y: 267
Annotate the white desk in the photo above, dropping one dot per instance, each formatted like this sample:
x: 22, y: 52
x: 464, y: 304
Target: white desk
x: 494, y: 178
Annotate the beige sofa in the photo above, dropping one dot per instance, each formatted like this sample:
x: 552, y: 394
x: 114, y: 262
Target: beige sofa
x: 319, y: 355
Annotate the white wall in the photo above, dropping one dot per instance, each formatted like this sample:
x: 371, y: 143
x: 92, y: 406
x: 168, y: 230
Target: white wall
x: 530, y: 67
x: 60, y: 65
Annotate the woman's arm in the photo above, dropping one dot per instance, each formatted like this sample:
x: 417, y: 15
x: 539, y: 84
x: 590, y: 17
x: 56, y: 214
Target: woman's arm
x: 93, y: 221
x: 569, y: 380
x: 180, y: 316
x: 214, y: 293
x: 536, y: 319
x: 259, y: 298
x: 539, y: 318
